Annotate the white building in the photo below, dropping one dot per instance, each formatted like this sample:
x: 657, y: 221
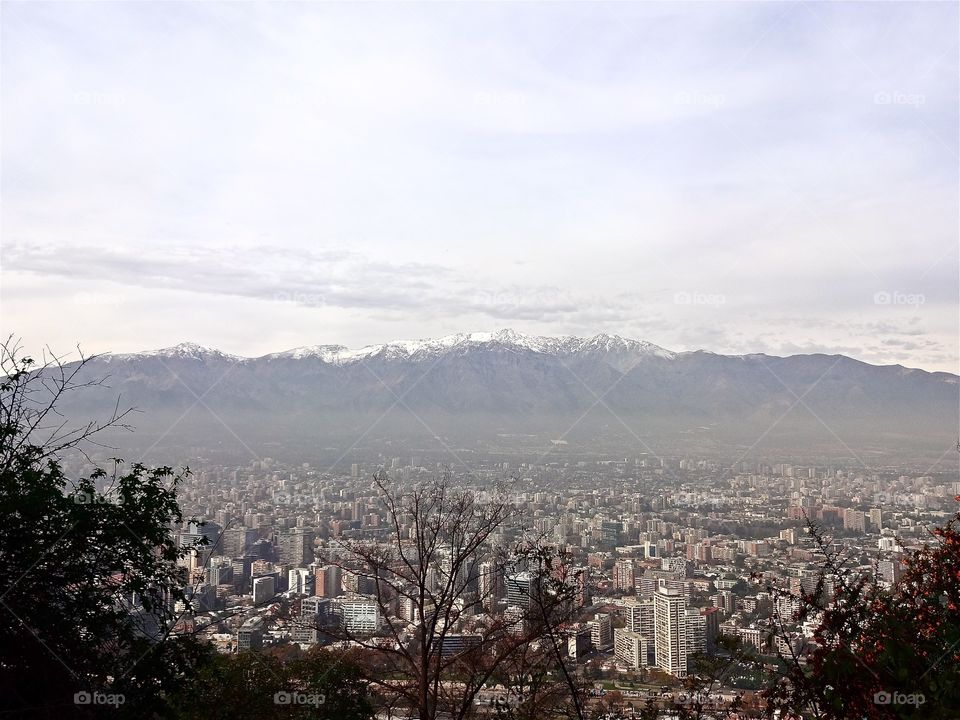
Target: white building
x: 358, y: 614
x: 601, y: 631
x: 670, y: 621
x: 300, y: 581
x: 631, y: 647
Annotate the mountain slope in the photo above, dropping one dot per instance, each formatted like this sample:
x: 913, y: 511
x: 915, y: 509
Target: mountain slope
x: 603, y: 393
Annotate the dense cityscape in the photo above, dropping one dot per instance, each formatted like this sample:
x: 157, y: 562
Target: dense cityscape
x: 666, y: 556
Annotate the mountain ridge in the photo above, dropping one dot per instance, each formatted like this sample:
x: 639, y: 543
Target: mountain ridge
x: 601, y: 394
x: 424, y: 348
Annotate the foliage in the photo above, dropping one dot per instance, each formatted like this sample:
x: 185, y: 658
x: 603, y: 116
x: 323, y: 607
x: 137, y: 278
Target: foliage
x: 880, y: 652
x: 90, y: 565
x: 264, y: 686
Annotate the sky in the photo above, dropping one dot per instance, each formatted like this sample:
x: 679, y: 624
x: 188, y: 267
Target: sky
x: 776, y: 177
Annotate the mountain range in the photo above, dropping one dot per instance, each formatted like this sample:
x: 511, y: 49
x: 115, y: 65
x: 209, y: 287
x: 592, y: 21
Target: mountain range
x: 506, y: 391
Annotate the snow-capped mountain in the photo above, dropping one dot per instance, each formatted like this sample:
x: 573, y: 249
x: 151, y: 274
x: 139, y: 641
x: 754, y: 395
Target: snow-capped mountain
x: 185, y: 350
x: 509, y: 339
x: 608, y: 391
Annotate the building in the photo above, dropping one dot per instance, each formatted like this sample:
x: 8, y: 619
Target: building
x: 358, y: 615
x: 601, y: 631
x: 250, y: 635
x: 520, y: 588
x: 264, y: 588
x: 237, y: 542
x: 696, y: 632
x: 303, y: 632
x: 329, y: 581
x: 670, y: 621
x: 725, y: 601
x: 220, y: 571
x: 582, y: 583
x: 890, y: 571
x: 489, y: 584
x: 631, y: 647
x: 641, y: 621
x: 296, y: 547
x: 579, y: 641
x: 854, y: 520
x: 711, y: 628
x: 454, y: 643
x: 300, y: 581
x: 623, y: 575
x: 754, y: 636
x: 677, y: 566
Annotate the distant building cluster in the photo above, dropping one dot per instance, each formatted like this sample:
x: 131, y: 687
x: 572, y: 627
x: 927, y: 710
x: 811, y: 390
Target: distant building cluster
x: 659, y: 553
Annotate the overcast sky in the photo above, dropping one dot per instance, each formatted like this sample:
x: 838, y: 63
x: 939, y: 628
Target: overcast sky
x: 763, y: 177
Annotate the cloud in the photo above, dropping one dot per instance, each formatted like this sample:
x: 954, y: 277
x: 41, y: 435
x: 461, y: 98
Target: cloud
x: 366, y: 173
x: 309, y: 278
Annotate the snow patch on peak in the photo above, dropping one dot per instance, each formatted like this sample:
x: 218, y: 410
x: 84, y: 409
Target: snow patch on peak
x: 327, y: 353
x: 423, y: 349
x: 187, y: 350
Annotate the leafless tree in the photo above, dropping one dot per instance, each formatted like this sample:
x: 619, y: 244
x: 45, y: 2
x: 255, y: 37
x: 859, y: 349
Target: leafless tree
x: 441, y: 640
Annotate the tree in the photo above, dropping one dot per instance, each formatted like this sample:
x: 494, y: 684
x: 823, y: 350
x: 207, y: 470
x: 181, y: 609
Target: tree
x: 264, y: 686
x: 438, y: 568
x: 878, y: 651
x: 538, y: 672
x: 89, y: 564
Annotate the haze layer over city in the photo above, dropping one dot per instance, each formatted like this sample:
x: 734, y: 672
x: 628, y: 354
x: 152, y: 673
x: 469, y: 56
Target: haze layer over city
x: 480, y: 360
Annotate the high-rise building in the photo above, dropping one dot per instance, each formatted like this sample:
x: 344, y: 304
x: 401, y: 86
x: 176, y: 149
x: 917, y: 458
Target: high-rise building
x: 579, y: 641
x: 696, y: 632
x: 300, y: 581
x: 490, y: 584
x: 601, y: 631
x: 359, y: 615
x: 623, y: 574
x: 329, y: 581
x: 641, y: 621
x: 220, y: 571
x: 520, y: 589
x: 711, y: 616
x: 237, y: 542
x: 726, y: 601
x: 296, y: 547
x: 264, y: 588
x: 670, y: 621
x: 631, y: 647
x: 854, y: 520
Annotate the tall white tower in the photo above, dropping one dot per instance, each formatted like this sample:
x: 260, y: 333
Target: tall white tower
x: 670, y: 621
